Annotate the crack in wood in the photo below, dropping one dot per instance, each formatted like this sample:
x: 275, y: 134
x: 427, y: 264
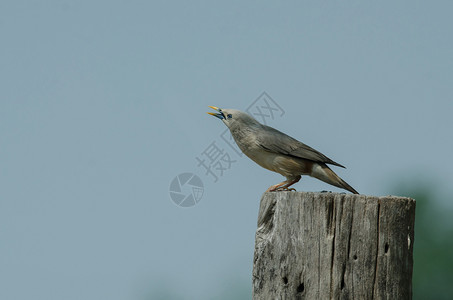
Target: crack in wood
x: 377, y: 250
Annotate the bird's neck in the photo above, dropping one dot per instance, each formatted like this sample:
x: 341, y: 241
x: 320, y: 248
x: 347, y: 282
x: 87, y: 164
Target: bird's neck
x: 244, y: 137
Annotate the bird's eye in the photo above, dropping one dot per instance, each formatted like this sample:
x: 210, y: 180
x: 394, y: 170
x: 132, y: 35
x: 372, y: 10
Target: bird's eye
x: 229, y: 116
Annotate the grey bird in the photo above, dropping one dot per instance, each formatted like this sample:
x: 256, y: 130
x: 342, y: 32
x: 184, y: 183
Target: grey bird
x: 278, y: 152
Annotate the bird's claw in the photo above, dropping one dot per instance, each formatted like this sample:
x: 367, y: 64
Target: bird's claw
x: 284, y: 188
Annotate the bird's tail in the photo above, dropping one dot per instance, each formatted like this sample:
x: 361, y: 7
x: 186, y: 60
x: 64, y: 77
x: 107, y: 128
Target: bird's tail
x: 324, y: 173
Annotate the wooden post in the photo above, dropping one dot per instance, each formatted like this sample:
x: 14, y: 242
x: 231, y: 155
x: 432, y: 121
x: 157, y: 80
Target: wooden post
x: 333, y: 246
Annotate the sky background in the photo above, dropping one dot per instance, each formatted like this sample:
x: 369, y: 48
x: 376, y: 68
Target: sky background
x: 103, y: 103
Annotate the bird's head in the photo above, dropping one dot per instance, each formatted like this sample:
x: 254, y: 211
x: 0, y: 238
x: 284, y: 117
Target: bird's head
x: 234, y: 118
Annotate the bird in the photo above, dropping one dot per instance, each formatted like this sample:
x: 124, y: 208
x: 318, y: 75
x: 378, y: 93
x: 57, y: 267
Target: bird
x: 278, y: 152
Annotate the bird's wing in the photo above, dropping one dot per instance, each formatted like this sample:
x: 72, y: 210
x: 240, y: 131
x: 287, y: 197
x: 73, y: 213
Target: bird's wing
x: 276, y: 141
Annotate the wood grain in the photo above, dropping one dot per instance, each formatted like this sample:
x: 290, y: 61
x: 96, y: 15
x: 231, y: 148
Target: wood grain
x: 333, y: 246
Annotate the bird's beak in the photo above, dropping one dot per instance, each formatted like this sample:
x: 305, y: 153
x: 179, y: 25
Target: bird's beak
x: 220, y: 115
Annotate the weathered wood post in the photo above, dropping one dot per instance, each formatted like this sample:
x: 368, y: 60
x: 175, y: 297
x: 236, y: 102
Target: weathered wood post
x: 333, y: 246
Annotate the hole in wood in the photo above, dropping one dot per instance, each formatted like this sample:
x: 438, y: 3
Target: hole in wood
x: 285, y: 280
x: 342, y: 283
x: 300, y: 288
x: 355, y: 257
x: 386, y: 247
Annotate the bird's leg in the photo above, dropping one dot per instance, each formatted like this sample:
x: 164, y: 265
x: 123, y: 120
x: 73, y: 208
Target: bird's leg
x: 273, y: 188
x: 289, y: 182
x: 283, y: 186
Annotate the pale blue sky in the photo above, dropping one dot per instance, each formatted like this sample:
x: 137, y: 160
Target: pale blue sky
x: 102, y: 104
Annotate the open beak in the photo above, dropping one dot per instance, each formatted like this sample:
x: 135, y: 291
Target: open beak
x: 219, y: 115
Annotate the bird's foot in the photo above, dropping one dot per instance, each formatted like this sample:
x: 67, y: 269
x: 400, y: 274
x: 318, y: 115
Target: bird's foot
x: 271, y: 189
x: 276, y: 187
x: 284, y: 188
